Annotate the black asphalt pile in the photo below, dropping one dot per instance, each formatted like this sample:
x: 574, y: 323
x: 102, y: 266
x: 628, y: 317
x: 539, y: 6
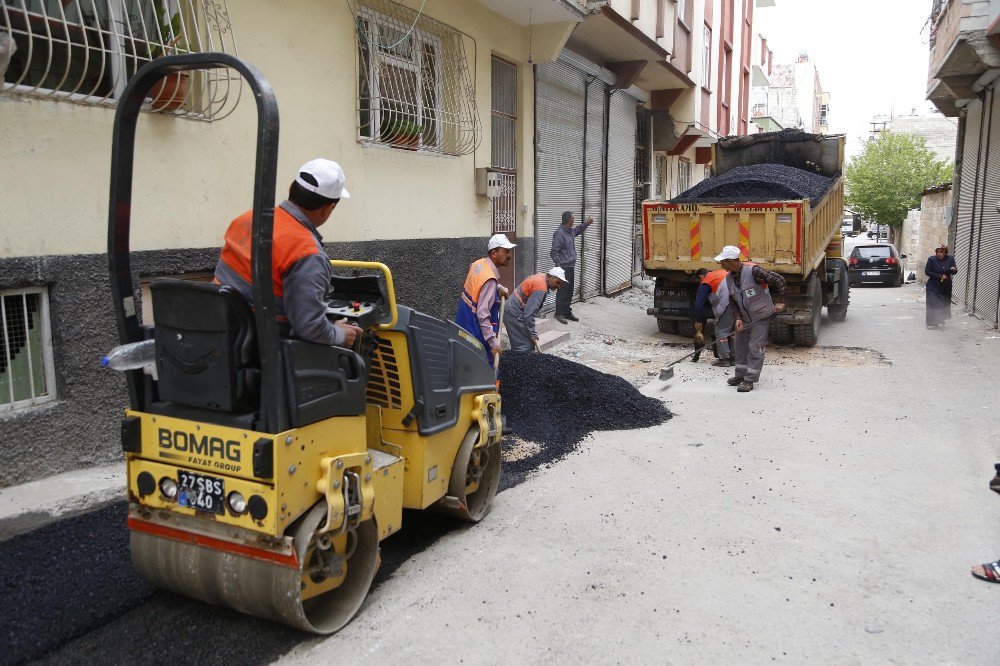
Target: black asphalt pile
x: 555, y: 403
x: 759, y: 182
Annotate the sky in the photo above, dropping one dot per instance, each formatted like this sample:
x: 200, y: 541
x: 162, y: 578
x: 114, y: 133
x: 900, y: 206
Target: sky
x: 872, y: 55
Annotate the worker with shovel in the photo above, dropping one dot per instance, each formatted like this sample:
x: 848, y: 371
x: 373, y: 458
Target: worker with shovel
x: 750, y: 289
x: 522, y: 307
x: 712, y: 300
x: 479, y: 305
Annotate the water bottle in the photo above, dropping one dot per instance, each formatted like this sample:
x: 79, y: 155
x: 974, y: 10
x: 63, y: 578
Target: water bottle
x: 132, y: 356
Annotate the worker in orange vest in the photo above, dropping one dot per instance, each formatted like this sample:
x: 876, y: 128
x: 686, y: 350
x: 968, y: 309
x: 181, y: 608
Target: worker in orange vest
x: 479, y: 305
x: 300, y: 268
x: 519, y: 316
x: 711, y: 301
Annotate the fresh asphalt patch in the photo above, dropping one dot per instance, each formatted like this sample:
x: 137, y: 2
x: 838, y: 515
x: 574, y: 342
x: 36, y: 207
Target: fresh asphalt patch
x: 71, y: 595
x: 759, y: 182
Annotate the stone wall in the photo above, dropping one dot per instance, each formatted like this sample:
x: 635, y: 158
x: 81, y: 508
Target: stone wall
x: 926, y: 228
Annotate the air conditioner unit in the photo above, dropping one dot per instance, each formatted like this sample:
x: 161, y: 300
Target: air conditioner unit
x: 488, y: 183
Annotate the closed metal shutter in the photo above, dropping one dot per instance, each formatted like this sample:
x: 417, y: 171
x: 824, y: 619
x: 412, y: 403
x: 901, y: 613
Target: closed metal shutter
x: 621, y: 193
x: 967, y: 196
x: 986, y: 287
x: 559, y: 126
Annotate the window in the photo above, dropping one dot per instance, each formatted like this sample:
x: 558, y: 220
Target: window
x: 85, y: 51
x: 26, y: 374
x: 414, y: 89
x: 706, y: 60
x: 683, y: 175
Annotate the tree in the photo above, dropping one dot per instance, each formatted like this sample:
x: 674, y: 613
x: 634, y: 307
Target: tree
x: 884, y: 182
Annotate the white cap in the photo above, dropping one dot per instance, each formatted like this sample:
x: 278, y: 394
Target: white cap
x: 328, y: 174
x: 499, y: 240
x: 558, y: 274
x: 729, y: 252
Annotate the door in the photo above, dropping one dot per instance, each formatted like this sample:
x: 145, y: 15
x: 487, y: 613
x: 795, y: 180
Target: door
x: 620, y: 193
x: 503, y: 158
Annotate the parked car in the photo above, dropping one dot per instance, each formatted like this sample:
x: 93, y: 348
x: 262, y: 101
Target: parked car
x: 875, y: 264
x: 847, y: 229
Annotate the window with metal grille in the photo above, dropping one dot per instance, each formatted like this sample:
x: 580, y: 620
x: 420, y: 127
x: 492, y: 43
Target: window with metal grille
x: 85, y: 51
x: 26, y: 374
x: 414, y: 89
x: 683, y: 175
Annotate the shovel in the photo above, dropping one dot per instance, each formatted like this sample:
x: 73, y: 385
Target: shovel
x: 667, y: 371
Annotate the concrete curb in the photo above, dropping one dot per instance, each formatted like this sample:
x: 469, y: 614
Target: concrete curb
x: 32, y: 505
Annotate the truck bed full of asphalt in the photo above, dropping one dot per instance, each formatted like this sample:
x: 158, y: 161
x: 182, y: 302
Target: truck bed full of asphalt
x: 759, y: 182
x: 70, y: 596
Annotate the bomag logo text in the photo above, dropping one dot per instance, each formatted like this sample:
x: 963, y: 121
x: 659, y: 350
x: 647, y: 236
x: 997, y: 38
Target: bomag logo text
x: 186, y: 442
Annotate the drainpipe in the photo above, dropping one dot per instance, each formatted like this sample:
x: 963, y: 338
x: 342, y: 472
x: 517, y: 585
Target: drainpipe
x: 583, y: 189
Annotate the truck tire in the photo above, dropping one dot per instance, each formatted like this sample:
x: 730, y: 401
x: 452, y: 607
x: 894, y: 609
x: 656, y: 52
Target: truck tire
x: 806, y: 335
x: 778, y: 332
x: 668, y: 326
x: 838, y: 311
x: 685, y: 327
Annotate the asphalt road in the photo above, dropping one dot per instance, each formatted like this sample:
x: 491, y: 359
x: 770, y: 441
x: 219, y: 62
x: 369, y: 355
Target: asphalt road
x: 829, y: 516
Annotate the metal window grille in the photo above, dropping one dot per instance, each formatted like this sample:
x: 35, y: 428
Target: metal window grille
x: 85, y: 51
x: 414, y: 87
x: 503, y: 140
x: 27, y: 376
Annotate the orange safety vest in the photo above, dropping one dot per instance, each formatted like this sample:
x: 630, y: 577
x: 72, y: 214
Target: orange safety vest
x: 291, y: 242
x: 715, y: 278
x: 529, y: 286
x: 480, y: 272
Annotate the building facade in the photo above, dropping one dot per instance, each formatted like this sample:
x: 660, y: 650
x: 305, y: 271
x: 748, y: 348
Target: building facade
x: 964, y: 70
x: 410, y: 103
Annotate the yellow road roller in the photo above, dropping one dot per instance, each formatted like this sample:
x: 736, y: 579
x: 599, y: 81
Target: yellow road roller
x: 264, y: 471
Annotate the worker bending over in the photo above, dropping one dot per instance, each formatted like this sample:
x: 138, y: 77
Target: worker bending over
x: 519, y: 318
x: 750, y: 288
x: 712, y: 301
x: 479, y: 306
x: 300, y: 268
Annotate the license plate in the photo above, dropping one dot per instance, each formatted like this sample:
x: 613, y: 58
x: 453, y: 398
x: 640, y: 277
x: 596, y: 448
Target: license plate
x: 872, y: 273
x: 200, y: 492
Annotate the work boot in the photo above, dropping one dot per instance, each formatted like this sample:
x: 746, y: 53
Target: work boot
x: 734, y: 381
x: 722, y: 363
x: 744, y: 387
x: 571, y: 316
x: 561, y: 319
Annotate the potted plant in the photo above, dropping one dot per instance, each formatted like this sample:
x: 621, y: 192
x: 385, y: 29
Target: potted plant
x: 169, y: 93
x: 403, y: 133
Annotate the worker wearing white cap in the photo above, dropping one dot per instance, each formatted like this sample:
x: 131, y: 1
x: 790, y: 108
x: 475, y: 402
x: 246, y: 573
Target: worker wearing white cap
x: 300, y: 267
x: 479, y: 305
x: 528, y: 298
x: 750, y: 290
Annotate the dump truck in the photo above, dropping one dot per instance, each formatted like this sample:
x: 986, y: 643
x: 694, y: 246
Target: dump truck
x: 262, y: 472
x: 778, y: 196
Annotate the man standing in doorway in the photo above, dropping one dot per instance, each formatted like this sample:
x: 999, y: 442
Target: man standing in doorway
x: 750, y: 289
x: 563, y: 255
x: 479, y: 305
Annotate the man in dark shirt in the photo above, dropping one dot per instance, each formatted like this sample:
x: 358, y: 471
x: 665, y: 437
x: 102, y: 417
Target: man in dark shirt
x: 563, y: 255
x: 750, y: 294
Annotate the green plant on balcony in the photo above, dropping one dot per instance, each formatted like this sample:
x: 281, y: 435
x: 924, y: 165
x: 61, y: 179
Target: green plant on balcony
x: 403, y: 133
x: 169, y: 92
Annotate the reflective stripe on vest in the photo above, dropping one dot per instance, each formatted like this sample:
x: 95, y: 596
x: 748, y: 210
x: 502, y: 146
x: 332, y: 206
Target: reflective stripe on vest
x: 529, y: 286
x: 291, y: 241
x: 719, y: 296
x: 480, y: 272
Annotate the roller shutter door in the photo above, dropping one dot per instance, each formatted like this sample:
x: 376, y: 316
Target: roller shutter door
x: 986, y: 288
x: 620, y: 192
x: 559, y: 126
x: 967, y: 202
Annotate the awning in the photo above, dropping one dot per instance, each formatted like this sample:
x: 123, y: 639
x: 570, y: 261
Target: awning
x: 693, y: 134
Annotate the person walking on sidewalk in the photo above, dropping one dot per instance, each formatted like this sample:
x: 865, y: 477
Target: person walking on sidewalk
x: 939, y: 270
x: 563, y: 255
x: 479, y: 305
x: 750, y: 289
x: 528, y: 298
x: 712, y: 301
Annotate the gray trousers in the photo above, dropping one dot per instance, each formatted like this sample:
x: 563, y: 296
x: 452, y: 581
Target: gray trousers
x: 517, y: 330
x: 750, y: 345
x: 723, y: 329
